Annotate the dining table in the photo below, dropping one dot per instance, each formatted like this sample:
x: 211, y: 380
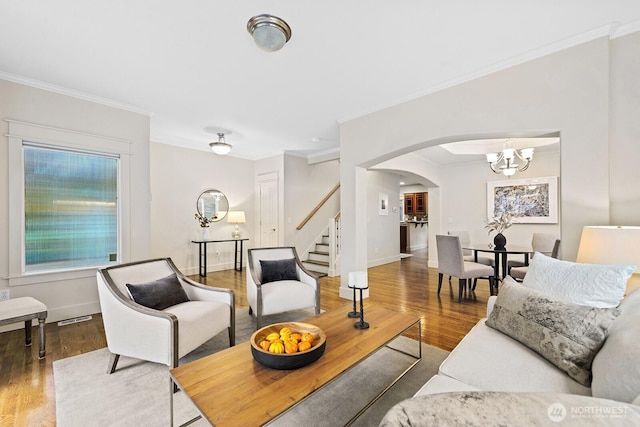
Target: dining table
x: 501, y: 255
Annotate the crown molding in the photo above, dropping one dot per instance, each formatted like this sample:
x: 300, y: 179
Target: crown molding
x: 72, y: 93
x: 624, y: 30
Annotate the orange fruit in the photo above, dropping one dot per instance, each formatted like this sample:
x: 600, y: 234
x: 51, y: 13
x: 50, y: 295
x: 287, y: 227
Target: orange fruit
x: 295, y: 336
x: 264, y: 344
x: 290, y: 347
x: 304, y: 345
x: 306, y: 336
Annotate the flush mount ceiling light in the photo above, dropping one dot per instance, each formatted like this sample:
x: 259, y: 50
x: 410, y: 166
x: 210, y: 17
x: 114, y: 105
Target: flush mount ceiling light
x: 508, y: 155
x: 269, y: 32
x: 220, y: 147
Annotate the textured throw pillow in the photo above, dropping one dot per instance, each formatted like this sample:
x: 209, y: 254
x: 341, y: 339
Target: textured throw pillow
x: 280, y: 269
x: 585, y: 284
x: 616, y: 368
x: 159, y: 294
x: 567, y: 335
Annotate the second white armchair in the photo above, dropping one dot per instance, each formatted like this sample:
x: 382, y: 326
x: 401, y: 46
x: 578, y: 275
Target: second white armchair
x: 277, y: 282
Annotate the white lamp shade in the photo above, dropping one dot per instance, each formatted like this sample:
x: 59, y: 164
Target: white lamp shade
x: 492, y: 157
x: 358, y: 279
x: 236, y: 217
x: 611, y: 245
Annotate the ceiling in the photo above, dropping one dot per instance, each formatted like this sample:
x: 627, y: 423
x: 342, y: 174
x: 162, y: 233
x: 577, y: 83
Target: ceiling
x: 194, y: 68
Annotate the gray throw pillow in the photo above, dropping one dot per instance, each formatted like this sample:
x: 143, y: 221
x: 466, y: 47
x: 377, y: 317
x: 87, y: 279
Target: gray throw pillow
x: 566, y: 334
x: 280, y: 269
x: 159, y: 294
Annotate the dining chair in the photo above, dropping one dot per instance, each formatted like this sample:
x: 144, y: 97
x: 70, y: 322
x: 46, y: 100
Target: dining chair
x: 465, y: 240
x: 452, y: 263
x: 540, y: 242
x: 518, y: 273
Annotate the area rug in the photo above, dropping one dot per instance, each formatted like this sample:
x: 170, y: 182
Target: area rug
x: 138, y: 392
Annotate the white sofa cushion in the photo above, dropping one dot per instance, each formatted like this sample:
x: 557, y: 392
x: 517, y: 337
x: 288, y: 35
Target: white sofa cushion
x: 490, y: 360
x: 585, y: 284
x: 566, y: 334
x: 444, y: 384
x: 299, y: 295
x: 616, y: 368
x: 196, y: 322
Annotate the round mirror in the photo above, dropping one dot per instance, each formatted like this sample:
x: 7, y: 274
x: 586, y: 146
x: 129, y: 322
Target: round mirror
x: 213, y: 205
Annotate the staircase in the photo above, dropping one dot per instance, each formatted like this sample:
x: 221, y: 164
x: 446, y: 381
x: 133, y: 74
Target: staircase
x: 317, y: 260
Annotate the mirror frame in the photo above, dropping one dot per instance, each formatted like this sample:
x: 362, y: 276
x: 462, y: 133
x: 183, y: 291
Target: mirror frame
x: 223, y: 209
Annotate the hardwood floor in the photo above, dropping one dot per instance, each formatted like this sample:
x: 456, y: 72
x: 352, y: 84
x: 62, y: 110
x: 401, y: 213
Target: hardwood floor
x: 27, y: 396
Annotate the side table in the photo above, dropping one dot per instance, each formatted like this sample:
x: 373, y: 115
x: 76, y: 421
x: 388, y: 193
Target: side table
x: 202, y: 254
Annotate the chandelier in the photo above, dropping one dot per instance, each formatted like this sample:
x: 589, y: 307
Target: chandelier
x: 509, y: 156
x: 220, y: 147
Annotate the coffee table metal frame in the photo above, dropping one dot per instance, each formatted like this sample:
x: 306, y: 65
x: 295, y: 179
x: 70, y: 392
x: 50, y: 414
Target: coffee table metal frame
x: 415, y: 323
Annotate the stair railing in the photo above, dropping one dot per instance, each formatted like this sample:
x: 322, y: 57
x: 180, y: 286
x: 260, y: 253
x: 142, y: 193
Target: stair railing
x: 318, y: 206
x: 335, y: 244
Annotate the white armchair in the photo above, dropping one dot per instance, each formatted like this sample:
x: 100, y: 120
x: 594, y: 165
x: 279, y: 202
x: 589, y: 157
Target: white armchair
x: 160, y: 335
x: 279, y: 283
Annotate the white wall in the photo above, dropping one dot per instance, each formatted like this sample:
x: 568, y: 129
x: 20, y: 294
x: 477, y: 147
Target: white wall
x: 553, y: 93
x: 305, y: 186
x: 383, y: 236
x: 625, y: 130
x: 76, y: 296
x: 178, y: 176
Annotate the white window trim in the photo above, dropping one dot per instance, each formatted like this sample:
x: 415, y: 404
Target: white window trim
x: 20, y: 132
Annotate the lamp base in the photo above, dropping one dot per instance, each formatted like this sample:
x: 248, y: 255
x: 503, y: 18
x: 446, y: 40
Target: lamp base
x: 235, y: 234
x: 361, y: 325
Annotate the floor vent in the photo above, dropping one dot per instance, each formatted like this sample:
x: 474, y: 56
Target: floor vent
x: 74, y: 320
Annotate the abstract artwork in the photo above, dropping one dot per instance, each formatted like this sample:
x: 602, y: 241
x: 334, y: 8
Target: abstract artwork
x: 532, y: 200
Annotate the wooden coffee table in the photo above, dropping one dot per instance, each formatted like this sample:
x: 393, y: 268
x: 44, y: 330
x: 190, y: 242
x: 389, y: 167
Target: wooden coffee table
x: 229, y: 388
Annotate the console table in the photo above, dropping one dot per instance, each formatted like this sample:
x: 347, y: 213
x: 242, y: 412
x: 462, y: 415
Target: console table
x: 202, y: 254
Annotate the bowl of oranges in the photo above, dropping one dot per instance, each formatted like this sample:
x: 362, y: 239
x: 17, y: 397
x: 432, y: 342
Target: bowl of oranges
x: 289, y: 345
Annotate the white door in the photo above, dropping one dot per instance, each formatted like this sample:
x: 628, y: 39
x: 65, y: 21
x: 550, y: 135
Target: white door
x: 268, y: 211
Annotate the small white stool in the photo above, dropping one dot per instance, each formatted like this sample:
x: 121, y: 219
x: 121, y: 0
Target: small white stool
x: 25, y: 309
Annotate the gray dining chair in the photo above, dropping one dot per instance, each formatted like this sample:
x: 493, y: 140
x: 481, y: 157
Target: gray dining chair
x: 540, y: 242
x: 465, y: 240
x: 518, y: 273
x: 451, y: 262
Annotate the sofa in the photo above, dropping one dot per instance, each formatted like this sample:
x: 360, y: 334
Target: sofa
x: 566, y: 336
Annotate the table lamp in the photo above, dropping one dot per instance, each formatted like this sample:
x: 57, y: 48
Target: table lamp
x: 236, y: 217
x: 614, y: 245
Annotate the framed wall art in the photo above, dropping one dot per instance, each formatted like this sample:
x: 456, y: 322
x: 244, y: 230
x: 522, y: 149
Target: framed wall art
x: 383, y: 204
x: 532, y: 201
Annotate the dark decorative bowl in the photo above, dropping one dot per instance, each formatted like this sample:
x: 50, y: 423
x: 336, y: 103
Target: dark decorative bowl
x: 284, y: 360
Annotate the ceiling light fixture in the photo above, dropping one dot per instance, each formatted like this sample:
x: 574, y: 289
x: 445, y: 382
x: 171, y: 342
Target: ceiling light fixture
x: 220, y: 147
x: 508, y: 155
x: 269, y: 32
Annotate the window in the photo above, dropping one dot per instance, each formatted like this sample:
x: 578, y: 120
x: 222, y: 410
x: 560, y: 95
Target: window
x: 70, y: 208
x: 69, y: 203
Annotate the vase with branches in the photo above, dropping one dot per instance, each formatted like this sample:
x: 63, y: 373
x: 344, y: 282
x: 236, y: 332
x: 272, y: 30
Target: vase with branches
x: 499, y: 224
